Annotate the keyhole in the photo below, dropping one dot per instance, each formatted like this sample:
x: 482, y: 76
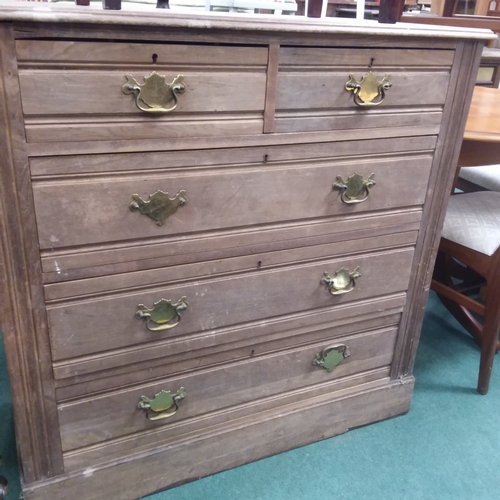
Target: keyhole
x: 266, y: 158
x: 252, y: 354
x: 259, y: 264
x: 155, y: 58
x: 372, y: 60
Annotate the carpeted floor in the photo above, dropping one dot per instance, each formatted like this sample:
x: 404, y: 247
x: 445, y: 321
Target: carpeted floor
x: 446, y: 447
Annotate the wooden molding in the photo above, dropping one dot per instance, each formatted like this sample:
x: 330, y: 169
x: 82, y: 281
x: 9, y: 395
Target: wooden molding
x: 24, y: 325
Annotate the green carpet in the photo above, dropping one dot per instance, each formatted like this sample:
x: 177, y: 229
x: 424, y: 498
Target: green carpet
x: 446, y: 447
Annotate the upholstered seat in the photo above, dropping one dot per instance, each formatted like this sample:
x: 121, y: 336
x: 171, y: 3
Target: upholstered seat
x: 487, y: 177
x: 469, y: 261
x: 473, y: 220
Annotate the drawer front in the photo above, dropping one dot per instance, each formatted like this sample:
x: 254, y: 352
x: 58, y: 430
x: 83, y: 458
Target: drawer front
x: 116, y: 414
x: 91, y: 375
x: 319, y: 77
x: 68, y: 95
x: 95, y: 211
x: 107, y: 322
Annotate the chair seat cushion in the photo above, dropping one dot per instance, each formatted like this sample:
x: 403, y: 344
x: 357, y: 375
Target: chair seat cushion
x: 487, y: 177
x: 473, y: 220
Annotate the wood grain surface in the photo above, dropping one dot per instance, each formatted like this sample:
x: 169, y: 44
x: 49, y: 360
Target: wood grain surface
x: 259, y: 138
x: 113, y: 415
x: 76, y: 327
x: 84, y: 376
x: 246, y: 439
x: 73, y: 213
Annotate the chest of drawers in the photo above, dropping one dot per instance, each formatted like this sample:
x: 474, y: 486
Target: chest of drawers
x: 217, y: 234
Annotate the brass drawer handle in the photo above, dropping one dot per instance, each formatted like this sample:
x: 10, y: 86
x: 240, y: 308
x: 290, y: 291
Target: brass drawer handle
x: 155, y: 92
x: 355, y: 187
x: 343, y: 281
x: 164, y: 314
x: 159, y: 206
x: 368, y: 89
x: 331, y: 357
x: 163, y: 405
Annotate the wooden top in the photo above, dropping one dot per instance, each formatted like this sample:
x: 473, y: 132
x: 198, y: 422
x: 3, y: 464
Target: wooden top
x: 483, y: 122
x: 44, y: 12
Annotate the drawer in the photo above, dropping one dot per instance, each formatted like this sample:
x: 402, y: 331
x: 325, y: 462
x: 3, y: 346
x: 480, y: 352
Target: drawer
x: 73, y: 212
x: 91, y: 375
x: 72, y: 91
x: 107, y: 321
x: 319, y: 77
x: 116, y: 414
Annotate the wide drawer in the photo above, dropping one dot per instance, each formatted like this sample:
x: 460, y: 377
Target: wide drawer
x: 319, y: 77
x: 108, y: 321
x: 72, y: 91
x: 91, y: 375
x: 116, y: 414
x: 96, y: 210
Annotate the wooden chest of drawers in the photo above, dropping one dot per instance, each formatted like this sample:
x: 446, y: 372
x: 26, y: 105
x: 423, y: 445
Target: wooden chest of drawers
x: 217, y: 234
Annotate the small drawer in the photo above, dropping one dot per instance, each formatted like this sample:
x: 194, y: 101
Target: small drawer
x: 105, y: 209
x: 74, y: 91
x: 110, y: 321
x: 415, y: 96
x: 208, y: 392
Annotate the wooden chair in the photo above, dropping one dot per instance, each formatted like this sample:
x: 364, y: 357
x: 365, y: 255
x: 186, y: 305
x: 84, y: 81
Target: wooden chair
x: 468, y: 262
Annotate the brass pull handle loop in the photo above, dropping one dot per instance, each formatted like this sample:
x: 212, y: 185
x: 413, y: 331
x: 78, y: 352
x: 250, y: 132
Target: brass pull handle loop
x: 163, y: 316
x: 368, y: 89
x: 155, y: 92
x: 153, y: 327
x: 354, y: 187
x: 137, y: 92
x: 343, y: 281
x: 163, y: 405
x: 359, y: 102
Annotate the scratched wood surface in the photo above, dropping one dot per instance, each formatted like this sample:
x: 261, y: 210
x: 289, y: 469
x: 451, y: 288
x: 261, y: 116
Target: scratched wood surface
x: 76, y: 327
x: 73, y: 213
x: 108, y: 416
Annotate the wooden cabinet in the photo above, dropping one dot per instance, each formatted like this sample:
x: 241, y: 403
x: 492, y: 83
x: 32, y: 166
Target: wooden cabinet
x: 187, y: 291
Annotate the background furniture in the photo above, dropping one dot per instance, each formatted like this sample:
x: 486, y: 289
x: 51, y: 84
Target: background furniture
x: 254, y: 5
x: 489, y: 70
x: 288, y: 261
x: 468, y: 262
x: 459, y: 21
x: 480, y: 152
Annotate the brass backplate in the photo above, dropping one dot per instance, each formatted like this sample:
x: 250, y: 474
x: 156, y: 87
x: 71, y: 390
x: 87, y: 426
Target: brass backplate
x: 343, y: 281
x: 164, y: 315
x: 155, y: 92
x: 355, y: 187
x: 331, y: 357
x: 159, y: 206
x: 368, y: 89
x: 163, y: 405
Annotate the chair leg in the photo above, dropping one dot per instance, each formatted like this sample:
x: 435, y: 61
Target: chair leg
x: 490, y: 340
